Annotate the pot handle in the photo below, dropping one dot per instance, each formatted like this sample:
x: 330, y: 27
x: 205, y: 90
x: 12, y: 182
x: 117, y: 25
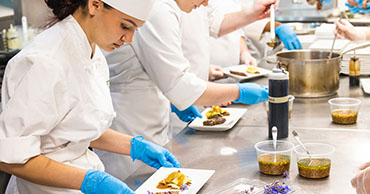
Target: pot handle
x: 358, y: 46
x: 282, y: 65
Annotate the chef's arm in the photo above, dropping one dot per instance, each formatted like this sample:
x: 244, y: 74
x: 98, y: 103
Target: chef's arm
x: 218, y: 94
x: 45, y: 171
x: 236, y: 20
x: 113, y: 141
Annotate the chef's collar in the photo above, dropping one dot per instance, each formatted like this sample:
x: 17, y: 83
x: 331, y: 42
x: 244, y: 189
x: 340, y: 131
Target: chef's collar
x: 79, y: 37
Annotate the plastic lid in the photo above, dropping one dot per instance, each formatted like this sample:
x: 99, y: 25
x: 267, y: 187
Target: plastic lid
x: 278, y: 74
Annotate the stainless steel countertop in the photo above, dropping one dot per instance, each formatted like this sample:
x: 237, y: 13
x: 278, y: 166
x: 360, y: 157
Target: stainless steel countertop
x: 232, y: 154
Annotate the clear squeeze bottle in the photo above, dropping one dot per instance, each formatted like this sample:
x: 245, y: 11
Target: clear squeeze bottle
x: 278, y: 102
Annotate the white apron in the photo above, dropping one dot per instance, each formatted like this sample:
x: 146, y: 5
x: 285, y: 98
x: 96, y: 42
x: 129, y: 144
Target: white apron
x: 141, y: 108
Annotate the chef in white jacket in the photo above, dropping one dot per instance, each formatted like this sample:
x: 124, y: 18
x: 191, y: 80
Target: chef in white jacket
x: 225, y: 50
x: 165, y: 72
x: 56, y: 102
x: 231, y: 49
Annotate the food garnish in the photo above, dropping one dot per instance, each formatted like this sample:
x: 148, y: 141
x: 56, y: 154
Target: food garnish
x: 252, y: 69
x: 215, y: 116
x: 164, y: 192
x: 276, y: 188
x: 176, y: 180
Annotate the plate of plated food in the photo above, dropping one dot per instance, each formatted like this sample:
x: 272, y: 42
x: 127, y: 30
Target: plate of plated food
x: 175, y: 181
x: 217, y: 119
x: 244, y: 72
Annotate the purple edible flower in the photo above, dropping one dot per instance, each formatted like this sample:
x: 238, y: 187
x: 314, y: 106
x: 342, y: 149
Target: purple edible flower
x: 286, y: 174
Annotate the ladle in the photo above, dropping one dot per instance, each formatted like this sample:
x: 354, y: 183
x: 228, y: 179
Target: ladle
x: 272, y: 27
x: 296, y: 137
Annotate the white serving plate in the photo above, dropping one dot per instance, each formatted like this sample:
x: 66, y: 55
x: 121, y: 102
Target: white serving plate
x: 243, y: 68
x: 235, y: 115
x: 365, y: 83
x: 198, y: 178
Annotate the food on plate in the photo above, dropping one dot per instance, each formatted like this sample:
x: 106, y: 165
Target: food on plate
x: 214, y: 121
x: 342, y: 116
x: 252, y: 69
x: 165, y: 192
x: 314, y: 168
x: 277, y: 188
x: 238, y: 73
x: 216, y: 111
x: 215, y: 116
x: 274, y: 164
x: 176, y: 180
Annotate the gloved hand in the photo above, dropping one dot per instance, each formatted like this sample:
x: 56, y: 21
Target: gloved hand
x: 152, y: 154
x: 361, y: 182
x: 252, y: 93
x: 288, y: 37
x: 246, y: 58
x: 103, y: 183
x: 188, y: 114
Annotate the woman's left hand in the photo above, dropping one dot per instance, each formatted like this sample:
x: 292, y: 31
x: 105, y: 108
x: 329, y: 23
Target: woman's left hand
x: 152, y: 154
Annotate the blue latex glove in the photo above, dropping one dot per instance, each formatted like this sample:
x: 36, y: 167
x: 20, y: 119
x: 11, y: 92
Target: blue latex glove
x: 288, y: 37
x: 103, y: 183
x: 252, y: 93
x: 188, y: 114
x: 152, y: 154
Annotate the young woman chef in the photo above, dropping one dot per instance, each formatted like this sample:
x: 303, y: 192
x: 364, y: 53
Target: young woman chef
x: 56, y: 102
x: 142, y: 82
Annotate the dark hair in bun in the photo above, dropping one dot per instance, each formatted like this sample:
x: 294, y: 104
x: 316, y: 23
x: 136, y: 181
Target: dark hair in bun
x: 63, y: 8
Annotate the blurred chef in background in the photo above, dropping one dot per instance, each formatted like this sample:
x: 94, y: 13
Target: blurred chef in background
x: 56, y: 102
x: 346, y: 30
x: 225, y: 50
x: 155, y: 67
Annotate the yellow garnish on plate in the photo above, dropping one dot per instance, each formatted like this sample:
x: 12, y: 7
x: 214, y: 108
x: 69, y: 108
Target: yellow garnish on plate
x: 252, y: 69
x: 216, y: 110
x: 175, y: 180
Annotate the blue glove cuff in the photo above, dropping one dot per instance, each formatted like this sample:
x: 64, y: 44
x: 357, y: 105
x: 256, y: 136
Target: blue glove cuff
x: 89, y: 185
x: 240, y: 94
x: 134, y: 141
x: 173, y: 108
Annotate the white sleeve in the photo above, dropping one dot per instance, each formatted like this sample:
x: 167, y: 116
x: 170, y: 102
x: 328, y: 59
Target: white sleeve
x: 35, y: 102
x: 255, y: 29
x: 158, y: 47
x: 215, y: 17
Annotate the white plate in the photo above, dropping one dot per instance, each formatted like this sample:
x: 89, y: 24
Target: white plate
x: 235, y: 114
x: 365, y: 83
x: 198, y: 179
x: 243, y: 68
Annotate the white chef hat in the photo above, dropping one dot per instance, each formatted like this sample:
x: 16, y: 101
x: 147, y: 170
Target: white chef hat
x: 139, y: 9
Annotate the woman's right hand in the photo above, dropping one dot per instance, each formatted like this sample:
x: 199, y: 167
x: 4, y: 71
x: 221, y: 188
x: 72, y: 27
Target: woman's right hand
x: 103, y: 183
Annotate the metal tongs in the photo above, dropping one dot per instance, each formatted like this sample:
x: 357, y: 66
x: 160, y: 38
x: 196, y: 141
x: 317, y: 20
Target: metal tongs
x: 335, y: 36
x: 296, y: 137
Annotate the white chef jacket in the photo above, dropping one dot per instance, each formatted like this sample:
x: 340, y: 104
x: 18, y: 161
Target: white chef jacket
x: 158, y: 45
x: 225, y: 50
x: 55, y: 101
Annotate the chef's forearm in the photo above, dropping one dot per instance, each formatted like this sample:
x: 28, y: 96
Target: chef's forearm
x: 236, y: 20
x: 216, y: 94
x: 45, y: 171
x: 113, y: 141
